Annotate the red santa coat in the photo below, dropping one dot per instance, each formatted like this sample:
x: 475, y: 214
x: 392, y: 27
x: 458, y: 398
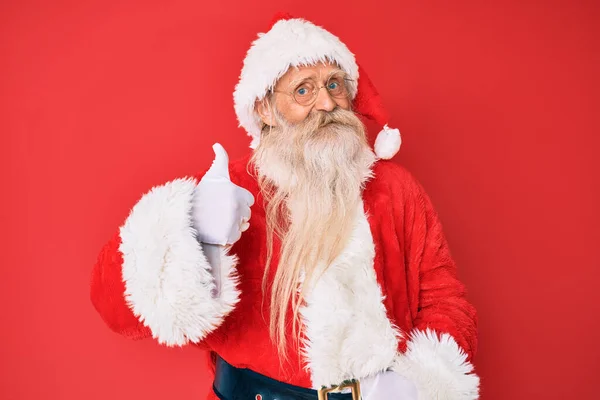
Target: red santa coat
x: 391, y: 300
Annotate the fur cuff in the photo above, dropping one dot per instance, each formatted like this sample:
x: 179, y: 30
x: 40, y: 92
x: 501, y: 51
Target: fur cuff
x: 168, y: 281
x: 438, y: 367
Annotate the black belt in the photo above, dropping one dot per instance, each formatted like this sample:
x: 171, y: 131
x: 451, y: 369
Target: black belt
x: 233, y: 383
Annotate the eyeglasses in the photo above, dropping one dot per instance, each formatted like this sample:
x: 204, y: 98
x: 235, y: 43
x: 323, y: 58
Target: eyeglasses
x: 305, y: 93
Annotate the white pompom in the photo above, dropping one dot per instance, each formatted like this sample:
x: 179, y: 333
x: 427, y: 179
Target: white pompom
x: 387, y: 143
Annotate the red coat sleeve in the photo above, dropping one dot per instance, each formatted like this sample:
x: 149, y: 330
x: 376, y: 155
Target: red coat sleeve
x: 437, y: 353
x: 152, y: 278
x: 107, y: 293
x: 442, y: 303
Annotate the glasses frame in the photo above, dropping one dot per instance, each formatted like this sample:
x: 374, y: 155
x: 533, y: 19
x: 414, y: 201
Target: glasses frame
x: 317, y: 88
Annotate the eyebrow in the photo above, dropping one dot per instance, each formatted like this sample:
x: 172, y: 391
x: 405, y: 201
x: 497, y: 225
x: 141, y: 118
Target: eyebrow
x: 296, y: 81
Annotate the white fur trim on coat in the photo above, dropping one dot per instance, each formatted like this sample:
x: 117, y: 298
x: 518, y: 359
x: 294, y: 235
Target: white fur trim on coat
x: 289, y: 43
x: 168, y: 280
x: 438, y: 367
x: 346, y: 326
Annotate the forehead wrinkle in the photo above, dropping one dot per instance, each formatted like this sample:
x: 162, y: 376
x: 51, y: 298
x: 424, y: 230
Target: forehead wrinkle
x: 313, y: 76
x: 302, y: 78
x: 335, y: 71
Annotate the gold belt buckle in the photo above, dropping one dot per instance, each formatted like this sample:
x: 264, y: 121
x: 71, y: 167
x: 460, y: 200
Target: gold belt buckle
x: 354, y: 386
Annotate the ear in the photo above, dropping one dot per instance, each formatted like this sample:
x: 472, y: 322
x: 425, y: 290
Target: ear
x: 263, y: 108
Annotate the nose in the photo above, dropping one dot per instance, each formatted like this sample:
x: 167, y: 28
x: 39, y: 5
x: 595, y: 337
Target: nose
x: 324, y: 101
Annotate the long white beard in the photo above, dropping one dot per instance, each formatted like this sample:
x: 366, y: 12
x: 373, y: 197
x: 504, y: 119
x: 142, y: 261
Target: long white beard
x: 327, y: 157
x: 317, y: 169
x: 311, y: 175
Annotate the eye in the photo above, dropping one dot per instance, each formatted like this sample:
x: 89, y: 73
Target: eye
x: 305, y: 89
x: 336, y: 86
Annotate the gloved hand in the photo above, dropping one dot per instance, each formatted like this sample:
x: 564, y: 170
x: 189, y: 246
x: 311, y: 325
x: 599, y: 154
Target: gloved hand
x: 388, y: 385
x: 221, y: 209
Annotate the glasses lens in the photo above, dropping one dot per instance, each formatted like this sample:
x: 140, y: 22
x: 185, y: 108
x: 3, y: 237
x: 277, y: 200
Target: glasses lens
x: 336, y: 85
x: 304, y: 93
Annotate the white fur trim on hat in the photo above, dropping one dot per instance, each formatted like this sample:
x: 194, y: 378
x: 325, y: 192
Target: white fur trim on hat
x: 387, y: 143
x: 289, y: 43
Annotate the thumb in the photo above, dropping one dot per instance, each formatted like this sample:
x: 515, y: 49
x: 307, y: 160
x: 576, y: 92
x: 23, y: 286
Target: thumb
x: 220, y: 165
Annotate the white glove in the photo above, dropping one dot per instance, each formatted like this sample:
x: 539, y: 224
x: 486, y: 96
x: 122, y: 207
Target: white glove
x: 221, y: 209
x: 388, y: 385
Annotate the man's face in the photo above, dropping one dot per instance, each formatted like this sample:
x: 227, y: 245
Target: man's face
x: 289, y: 108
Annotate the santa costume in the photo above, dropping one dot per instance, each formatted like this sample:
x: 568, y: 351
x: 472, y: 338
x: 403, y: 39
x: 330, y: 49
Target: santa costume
x: 391, y: 301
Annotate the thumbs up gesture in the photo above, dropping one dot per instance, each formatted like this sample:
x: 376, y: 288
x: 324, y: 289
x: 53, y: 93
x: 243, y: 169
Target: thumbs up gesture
x: 221, y: 209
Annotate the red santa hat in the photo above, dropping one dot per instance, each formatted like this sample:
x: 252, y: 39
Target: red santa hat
x: 293, y: 42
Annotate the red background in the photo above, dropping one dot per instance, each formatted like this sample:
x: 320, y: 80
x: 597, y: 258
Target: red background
x: 498, y: 106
